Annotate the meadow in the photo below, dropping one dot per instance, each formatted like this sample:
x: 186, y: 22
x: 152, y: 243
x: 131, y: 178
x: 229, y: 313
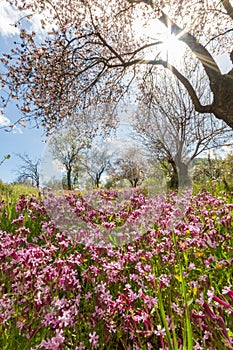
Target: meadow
x: 116, y: 269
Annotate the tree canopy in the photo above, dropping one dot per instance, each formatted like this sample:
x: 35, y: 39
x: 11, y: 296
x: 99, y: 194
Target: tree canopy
x: 91, y: 51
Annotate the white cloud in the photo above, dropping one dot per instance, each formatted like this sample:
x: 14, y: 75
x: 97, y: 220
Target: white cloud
x: 37, y: 27
x: 4, y: 121
x: 17, y: 130
x: 226, y: 149
x: 8, y: 17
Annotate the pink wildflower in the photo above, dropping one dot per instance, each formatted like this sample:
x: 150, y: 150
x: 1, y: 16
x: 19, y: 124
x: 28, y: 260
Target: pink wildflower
x: 93, y: 339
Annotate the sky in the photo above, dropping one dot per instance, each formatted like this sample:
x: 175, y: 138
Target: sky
x: 21, y: 140
x: 27, y: 140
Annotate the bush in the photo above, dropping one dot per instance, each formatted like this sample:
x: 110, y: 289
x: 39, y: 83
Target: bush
x: 5, y: 189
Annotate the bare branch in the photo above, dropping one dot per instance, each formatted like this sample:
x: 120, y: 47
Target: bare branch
x: 217, y: 36
x: 199, y: 108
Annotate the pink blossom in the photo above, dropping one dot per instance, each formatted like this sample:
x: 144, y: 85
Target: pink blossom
x: 93, y: 339
x: 55, y: 342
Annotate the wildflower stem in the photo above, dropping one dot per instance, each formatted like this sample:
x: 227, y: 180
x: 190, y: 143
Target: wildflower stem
x: 184, y: 294
x: 163, y: 316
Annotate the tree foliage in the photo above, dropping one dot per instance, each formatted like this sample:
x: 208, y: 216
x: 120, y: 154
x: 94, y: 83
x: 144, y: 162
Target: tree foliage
x: 93, y: 50
x: 214, y: 169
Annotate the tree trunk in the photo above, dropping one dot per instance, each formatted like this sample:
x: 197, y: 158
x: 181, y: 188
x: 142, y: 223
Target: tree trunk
x: 37, y: 183
x: 69, y: 183
x: 180, y: 178
x: 97, y: 181
x: 183, y: 175
x: 222, y: 89
x: 174, y: 182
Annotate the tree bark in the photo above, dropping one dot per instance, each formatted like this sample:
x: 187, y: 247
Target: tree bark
x: 69, y: 183
x: 174, y: 182
x: 97, y: 181
x: 183, y: 175
x: 180, y: 178
x: 222, y: 88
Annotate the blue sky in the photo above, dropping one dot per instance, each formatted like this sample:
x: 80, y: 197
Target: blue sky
x: 21, y: 140
x: 25, y: 140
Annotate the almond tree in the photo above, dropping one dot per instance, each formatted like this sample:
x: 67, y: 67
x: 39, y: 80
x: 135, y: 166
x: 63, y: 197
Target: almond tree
x: 131, y: 166
x: 29, y: 170
x: 66, y: 148
x: 170, y: 128
x: 94, y: 49
x: 96, y: 161
x: 214, y: 169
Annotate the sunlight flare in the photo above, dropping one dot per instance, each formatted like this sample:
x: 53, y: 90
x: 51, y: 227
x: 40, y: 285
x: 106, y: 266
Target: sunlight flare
x: 172, y: 49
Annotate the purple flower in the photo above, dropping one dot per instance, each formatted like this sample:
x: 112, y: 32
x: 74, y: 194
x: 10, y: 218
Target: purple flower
x: 55, y: 342
x: 93, y: 339
x: 160, y: 331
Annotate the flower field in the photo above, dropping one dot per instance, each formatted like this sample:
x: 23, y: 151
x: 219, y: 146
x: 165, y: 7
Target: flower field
x: 116, y: 270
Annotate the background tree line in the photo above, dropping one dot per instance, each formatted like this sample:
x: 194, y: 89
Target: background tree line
x: 131, y: 169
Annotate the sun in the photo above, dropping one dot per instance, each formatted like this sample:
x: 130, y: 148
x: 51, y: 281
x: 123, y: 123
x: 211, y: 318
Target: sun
x: 171, y: 48
x: 167, y: 45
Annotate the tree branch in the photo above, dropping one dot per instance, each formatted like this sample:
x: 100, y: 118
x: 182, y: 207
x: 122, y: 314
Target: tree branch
x: 227, y: 6
x: 198, y: 106
x: 217, y: 36
x: 110, y: 48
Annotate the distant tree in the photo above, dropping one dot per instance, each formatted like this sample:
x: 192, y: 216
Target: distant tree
x: 214, y: 169
x: 130, y: 166
x: 53, y: 183
x: 170, y: 128
x: 228, y: 170
x: 66, y: 148
x: 206, y: 170
x: 29, y: 170
x: 95, y: 162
